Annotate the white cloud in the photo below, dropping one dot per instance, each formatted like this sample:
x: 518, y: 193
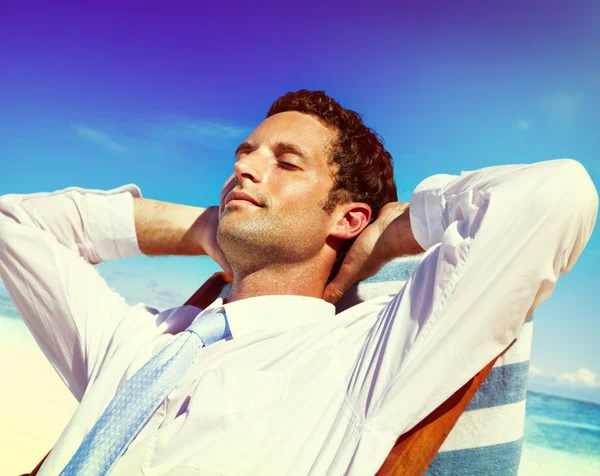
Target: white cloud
x: 162, y: 134
x: 98, y: 137
x: 198, y: 131
x: 213, y: 129
x: 163, y: 290
x: 582, y: 377
x: 535, y: 372
x: 524, y: 124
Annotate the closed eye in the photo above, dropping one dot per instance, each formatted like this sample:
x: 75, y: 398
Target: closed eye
x: 287, y: 166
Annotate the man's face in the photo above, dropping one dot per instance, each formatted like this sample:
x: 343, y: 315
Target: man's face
x: 271, y: 208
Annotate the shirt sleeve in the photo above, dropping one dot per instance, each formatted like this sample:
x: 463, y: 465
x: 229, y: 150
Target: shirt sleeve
x: 48, y: 245
x: 496, y: 241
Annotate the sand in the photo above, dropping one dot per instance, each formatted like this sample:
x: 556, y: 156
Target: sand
x: 35, y: 404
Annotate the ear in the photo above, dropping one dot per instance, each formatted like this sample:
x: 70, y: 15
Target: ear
x: 350, y: 220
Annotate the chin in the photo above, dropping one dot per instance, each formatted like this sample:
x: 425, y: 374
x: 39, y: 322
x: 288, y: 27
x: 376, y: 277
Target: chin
x: 236, y: 233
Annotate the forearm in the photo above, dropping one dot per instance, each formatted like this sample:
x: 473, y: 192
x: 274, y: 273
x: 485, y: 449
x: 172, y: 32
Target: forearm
x: 396, y: 235
x: 48, y: 242
x: 404, y: 242
x: 97, y: 224
x: 165, y: 228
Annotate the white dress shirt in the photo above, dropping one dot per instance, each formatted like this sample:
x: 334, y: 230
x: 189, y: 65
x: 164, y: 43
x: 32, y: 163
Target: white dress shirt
x: 297, y: 389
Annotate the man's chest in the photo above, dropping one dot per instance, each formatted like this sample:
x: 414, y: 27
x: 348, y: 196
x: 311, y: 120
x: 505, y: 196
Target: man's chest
x: 244, y: 401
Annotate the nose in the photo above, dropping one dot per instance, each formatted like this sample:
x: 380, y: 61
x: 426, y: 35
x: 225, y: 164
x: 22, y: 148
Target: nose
x: 250, y: 167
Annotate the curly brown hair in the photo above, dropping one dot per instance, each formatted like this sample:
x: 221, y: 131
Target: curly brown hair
x: 363, y: 168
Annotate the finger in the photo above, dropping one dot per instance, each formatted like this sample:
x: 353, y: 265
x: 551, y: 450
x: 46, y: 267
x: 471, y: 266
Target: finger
x: 346, y: 277
x: 332, y: 294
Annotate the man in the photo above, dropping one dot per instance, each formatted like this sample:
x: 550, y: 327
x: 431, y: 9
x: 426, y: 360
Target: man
x: 295, y: 389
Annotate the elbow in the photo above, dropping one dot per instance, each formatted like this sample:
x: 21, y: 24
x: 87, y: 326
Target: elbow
x: 578, y: 207
x: 578, y: 187
x: 564, y: 186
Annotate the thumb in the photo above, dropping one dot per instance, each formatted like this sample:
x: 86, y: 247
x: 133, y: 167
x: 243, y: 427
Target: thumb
x: 346, y: 277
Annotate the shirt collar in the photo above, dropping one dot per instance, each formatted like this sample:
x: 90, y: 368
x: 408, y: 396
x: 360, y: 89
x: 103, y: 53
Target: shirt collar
x: 273, y: 312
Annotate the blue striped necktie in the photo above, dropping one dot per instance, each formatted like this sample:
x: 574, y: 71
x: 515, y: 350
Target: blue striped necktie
x: 139, y: 397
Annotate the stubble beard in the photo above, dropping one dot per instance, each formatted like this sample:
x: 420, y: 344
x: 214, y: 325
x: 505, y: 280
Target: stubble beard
x: 254, y: 243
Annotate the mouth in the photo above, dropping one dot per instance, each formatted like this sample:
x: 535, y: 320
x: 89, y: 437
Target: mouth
x: 241, y: 197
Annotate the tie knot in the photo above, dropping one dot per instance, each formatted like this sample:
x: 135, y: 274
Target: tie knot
x: 210, y: 327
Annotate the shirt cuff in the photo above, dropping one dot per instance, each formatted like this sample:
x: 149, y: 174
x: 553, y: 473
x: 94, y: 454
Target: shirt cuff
x: 112, y: 222
x: 426, y: 208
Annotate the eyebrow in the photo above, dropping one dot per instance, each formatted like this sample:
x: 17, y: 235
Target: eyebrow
x: 244, y: 146
x: 283, y: 147
x: 279, y: 148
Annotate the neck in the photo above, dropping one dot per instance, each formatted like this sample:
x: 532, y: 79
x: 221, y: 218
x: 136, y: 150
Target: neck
x: 302, y: 279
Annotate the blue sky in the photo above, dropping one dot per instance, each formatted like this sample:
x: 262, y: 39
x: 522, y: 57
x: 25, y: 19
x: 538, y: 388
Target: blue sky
x: 161, y: 96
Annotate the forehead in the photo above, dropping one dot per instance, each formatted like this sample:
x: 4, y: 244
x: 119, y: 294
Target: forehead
x: 293, y: 127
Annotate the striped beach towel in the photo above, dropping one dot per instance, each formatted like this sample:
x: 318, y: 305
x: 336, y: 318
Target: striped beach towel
x: 488, y: 437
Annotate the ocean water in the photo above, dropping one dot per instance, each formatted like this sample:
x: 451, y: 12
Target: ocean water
x: 562, y: 437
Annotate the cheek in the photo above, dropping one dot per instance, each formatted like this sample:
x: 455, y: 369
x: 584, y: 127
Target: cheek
x: 304, y: 213
x: 309, y: 193
x: 227, y: 186
x: 303, y: 206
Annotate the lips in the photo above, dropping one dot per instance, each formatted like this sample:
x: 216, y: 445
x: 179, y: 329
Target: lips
x: 238, y: 195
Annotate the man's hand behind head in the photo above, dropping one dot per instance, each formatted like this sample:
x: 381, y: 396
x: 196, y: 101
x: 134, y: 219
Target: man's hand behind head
x: 164, y: 228
x: 388, y: 237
